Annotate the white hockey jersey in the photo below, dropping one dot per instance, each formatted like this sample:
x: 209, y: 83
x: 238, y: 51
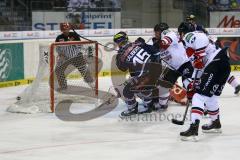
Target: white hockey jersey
x: 199, y: 42
x: 175, y: 54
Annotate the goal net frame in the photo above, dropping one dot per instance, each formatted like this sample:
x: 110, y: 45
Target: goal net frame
x: 45, y: 92
x: 52, y: 63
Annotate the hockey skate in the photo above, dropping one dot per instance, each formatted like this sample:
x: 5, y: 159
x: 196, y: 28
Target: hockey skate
x: 237, y: 89
x: 130, y: 112
x: 147, y: 109
x: 213, y: 127
x: 192, y: 133
x: 160, y: 108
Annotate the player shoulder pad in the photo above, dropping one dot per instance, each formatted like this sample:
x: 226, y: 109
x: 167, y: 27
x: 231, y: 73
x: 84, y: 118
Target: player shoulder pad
x: 172, y: 36
x: 189, y: 38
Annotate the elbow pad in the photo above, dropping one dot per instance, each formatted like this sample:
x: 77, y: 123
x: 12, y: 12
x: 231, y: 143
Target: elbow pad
x: 165, y: 42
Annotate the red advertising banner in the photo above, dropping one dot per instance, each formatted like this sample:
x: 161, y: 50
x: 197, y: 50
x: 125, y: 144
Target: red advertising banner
x: 224, y: 19
x: 234, y: 50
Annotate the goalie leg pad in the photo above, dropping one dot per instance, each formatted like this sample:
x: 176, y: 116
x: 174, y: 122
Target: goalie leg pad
x: 178, y: 94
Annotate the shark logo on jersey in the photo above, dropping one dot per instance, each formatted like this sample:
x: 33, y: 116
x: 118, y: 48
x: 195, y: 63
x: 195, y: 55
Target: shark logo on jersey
x: 190, y: 38
x: 5, y: 63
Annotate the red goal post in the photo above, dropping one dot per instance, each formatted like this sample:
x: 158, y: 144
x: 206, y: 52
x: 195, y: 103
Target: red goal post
x: 52, y: 61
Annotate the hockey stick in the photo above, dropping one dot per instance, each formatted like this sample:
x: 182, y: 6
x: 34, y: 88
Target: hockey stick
x: 163, y: 83
x: 171, y: 67
x: 92, y: 40
x: 181, y: 122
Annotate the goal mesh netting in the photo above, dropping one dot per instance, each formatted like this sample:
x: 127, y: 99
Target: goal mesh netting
x: 66, y: 71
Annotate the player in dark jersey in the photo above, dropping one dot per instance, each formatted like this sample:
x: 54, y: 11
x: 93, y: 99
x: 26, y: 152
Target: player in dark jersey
x: 70, y: 54
x: 137, y: 58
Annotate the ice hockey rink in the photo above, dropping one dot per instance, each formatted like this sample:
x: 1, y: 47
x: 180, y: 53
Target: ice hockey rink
x: 45, y: 137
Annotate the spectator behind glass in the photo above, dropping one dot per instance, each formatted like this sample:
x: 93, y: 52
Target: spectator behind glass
x: 113, y: 3
x: 77, y: 22
x: 73, y: 5
x: 59, y: 3
x: 99, y: 3
x: 197, y: 27
x: 235, y: 4
x: 223, y: 4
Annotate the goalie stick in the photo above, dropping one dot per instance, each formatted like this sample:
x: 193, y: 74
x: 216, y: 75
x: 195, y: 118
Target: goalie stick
x: 181, y: 122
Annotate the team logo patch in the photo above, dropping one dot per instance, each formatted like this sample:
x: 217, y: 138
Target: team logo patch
x: 5, y: 64
x: 165, y: 32
x: 190, y: 38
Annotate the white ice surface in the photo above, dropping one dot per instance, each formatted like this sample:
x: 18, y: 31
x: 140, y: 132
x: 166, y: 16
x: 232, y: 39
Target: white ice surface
x: 45, y: 137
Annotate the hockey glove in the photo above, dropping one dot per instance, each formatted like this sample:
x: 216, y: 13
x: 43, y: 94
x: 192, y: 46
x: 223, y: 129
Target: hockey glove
x: 190, y: 91
x: 198, y: 58
x: 191, y: 88
x: 198, y: 63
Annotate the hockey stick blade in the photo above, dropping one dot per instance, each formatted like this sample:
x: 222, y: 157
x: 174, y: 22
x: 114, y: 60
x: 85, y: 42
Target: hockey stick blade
x: 164, y: 83
x: 175, y: 121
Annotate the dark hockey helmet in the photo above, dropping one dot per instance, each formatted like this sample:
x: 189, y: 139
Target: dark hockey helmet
x: 65, y: 26
x: 185, y: 27
x: 120, y: 38
x: 161, y: 27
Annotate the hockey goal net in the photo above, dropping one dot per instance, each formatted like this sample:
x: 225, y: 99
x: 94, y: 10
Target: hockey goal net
x: 66, y: 71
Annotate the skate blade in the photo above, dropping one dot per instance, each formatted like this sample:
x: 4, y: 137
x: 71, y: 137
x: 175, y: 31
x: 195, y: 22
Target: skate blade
x: 144, y: 112
x: 160, y: 109
x: 212, y: 131
x: 128, y: 116
x: 190, y: 138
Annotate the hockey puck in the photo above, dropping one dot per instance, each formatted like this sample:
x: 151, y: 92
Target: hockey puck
x: 18, y: 98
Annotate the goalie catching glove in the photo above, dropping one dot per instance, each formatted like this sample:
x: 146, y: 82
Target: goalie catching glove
x: 178, y: 94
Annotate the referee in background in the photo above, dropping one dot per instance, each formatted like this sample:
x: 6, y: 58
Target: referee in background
x: 70, y: 54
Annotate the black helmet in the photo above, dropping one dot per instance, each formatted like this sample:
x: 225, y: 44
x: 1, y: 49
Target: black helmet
x: 161, y: 27
x: 120, y: 37
x: 185, y: 27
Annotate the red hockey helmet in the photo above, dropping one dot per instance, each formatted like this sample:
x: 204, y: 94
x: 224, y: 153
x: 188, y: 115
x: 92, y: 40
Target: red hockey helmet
x: 65, y: 26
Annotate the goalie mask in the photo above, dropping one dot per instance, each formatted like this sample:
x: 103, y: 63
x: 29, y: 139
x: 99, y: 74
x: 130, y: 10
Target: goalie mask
x: 120, y: 38
x: 64, y: 26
